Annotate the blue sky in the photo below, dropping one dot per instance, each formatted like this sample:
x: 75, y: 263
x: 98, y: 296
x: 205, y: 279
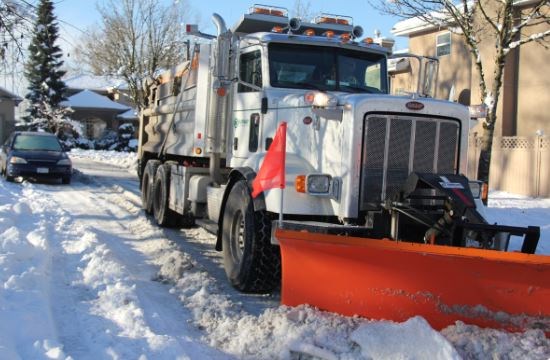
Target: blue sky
x: 82, y: 14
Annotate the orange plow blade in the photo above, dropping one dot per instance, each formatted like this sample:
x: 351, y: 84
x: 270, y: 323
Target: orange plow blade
x: 383, y: 279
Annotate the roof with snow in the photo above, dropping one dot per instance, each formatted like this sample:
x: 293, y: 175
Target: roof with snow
x: 96, y: 82
x: 5, y: 94
x: 88, y: 99
x: 131, y: 114
x: 417, y: 25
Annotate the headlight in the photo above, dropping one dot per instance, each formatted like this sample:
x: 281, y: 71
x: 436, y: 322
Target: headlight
x: 318, y: 183
x: 320, y: 99
x: 17, y: 160
x: 64, y: 162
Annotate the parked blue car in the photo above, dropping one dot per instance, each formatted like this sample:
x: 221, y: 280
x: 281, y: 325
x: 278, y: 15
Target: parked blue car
x: 35, y: 155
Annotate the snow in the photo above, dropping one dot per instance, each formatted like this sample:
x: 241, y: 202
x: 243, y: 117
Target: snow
x: 131, y: 114
x: 86, y: 275
x: 90, y: 100
x: 96, y: 82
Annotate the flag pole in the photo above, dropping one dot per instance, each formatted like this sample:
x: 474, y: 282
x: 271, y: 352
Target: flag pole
x: 283, y: 178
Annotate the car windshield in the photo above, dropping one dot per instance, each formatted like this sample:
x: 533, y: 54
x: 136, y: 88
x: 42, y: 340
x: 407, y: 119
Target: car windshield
x: 36, y: 142
x: 326, y: 68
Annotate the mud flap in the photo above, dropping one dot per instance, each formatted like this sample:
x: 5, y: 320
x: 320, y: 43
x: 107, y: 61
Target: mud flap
x: 385, y: 279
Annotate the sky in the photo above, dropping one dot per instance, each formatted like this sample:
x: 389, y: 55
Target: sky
x: 75, y: 16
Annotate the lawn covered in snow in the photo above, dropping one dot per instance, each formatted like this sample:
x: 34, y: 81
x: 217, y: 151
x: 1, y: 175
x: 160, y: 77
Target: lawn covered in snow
x: 85, y: 274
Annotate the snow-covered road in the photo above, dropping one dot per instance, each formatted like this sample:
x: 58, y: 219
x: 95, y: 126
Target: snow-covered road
x: 85, y: 274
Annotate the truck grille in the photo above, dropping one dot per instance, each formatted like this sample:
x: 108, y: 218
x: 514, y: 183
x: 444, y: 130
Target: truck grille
x: 396, y: 145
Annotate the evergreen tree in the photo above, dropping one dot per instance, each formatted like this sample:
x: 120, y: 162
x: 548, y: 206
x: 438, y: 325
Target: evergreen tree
x: 43, y: 71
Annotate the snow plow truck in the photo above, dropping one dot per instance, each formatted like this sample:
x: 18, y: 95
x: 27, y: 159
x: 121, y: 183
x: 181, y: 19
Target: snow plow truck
x: 378, y: 219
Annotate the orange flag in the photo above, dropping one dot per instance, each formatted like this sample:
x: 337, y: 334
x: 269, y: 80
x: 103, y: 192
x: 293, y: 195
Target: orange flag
x: 272, y: 172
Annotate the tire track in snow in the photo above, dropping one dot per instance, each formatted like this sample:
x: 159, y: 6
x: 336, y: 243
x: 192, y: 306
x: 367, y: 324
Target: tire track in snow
x: 110, y: 290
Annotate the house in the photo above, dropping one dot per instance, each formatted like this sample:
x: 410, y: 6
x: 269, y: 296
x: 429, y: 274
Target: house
x: 526, y: 86
x: 96, y: 113
x: 8, y: 102
x: 100, y: 103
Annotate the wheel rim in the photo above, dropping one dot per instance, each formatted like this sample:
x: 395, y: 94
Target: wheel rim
x: 237, y: 237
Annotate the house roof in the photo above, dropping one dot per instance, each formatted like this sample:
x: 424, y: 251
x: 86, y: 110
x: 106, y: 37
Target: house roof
x: 95, y: 82
x: 131, y: 114
x: 417, y: 25
x: 88, y: 99
x: 5, y: 94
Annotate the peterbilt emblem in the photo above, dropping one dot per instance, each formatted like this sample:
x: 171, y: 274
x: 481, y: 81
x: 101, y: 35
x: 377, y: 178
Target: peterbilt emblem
x: 414, y: 105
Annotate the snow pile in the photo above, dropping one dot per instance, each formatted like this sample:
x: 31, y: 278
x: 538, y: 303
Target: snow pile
x: 413, y: 339
x: 27, y: 329
x: 126, y: 160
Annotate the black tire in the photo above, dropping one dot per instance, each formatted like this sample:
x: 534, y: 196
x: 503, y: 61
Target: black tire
x: 251, y: 263
x: 161, y: 192
x: 147, y: 185
x: 66, y: 180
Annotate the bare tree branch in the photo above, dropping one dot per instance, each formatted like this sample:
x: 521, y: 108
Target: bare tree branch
x: 136, y: 39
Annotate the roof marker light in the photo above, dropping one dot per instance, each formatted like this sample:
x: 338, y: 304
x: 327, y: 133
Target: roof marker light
x: 345, y: 37
x: 309, y: 32
x: 277, y: 29
x: 368, y: 40
x: 329, y: 34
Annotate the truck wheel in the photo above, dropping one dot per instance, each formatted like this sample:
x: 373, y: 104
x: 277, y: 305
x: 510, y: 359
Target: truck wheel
x: 147, y: 185
x: 251, y: 263
x: 160, y: 194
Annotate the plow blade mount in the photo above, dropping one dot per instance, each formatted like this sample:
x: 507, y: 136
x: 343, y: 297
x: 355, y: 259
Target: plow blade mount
x: 385, y: 279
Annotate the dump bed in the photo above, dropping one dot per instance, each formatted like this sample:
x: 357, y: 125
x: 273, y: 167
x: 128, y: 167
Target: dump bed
x: 177, y: 113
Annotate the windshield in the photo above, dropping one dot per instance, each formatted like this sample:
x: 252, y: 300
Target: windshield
x: 326, y: 68
x: 36, y: 142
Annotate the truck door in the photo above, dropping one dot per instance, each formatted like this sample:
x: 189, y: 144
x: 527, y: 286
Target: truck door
x: 246, y: 116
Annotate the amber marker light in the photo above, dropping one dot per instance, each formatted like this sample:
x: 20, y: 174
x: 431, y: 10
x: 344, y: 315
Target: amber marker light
x: 277, y: 29
x: 309, y: 32
x: 368, y: 40
x: 345, y: 37
x: 329, y: 34
x: 300, y: 183
x: 198, y: 151
x: 309, y: 97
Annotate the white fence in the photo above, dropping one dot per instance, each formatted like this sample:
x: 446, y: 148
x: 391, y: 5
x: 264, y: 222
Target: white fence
x: 519, y: 165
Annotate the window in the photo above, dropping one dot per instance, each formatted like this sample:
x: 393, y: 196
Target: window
x: 326, y: 69
x: 36, y: 142
x: 443, y: 44
x: 250, y: 72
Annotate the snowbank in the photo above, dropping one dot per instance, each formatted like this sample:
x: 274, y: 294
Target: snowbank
x: 126, y: 160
